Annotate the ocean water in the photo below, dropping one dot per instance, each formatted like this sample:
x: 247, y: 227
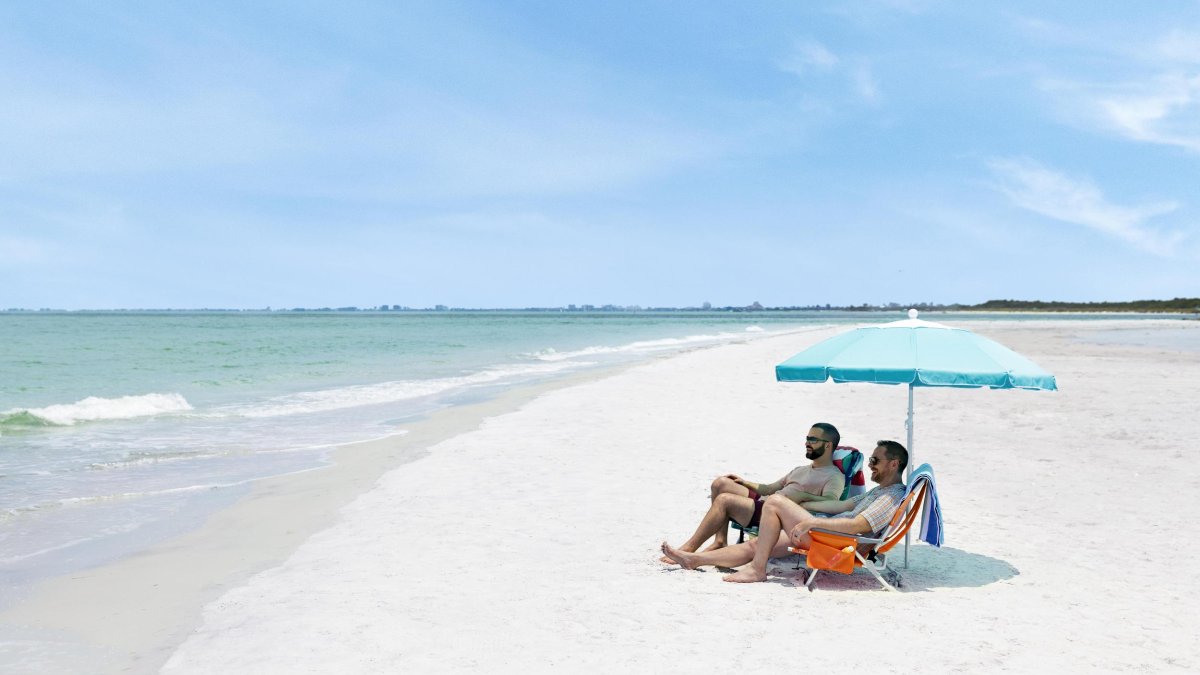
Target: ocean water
x: 1183, y: 336
x: 120, y: 429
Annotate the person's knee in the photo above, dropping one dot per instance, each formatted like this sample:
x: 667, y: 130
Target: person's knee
x: 725, y: 500
x: 722, y: 484
x: 776, y: 501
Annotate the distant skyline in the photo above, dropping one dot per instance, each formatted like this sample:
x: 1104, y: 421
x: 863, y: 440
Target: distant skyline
x: 541, y: 154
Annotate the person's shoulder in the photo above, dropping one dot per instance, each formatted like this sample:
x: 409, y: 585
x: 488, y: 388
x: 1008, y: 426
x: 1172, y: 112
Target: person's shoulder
x: 896, y: 490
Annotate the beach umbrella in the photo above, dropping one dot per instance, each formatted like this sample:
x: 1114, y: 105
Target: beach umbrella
x: 917, y: 353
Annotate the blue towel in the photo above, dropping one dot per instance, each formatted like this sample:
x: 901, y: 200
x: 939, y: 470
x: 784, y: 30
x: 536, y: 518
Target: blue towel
x: 931, y: 510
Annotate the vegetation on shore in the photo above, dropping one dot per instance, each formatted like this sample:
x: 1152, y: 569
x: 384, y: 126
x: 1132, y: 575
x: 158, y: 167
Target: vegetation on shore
x: 1175, y: 306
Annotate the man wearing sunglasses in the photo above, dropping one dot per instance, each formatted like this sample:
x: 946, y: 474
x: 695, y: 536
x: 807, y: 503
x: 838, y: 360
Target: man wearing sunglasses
x: 784, y: 522
x: 734, y: 498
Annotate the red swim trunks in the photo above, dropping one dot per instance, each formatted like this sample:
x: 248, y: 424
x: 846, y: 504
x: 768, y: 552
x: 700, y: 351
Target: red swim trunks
x: 758, y: 506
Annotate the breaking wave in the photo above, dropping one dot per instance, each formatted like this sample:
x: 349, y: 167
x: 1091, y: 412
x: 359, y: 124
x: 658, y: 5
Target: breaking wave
x: 93, y: 409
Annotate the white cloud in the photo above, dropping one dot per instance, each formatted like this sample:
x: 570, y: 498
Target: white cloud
x: 1179, y: 46
x: 1036, y: 188
x: 1156, y: 99
x: 865, y: 83
x: 807, y: 56
x: 1163, y: 111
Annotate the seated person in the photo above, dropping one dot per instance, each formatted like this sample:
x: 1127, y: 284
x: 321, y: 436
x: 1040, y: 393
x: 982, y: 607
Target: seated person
x: 734, y: 498
x: 784, y: 522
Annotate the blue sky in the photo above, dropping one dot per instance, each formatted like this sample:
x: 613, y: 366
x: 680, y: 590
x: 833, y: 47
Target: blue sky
x: 512, y: 154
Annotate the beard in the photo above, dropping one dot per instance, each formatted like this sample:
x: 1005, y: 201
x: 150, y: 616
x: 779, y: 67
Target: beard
x: 813, y: 453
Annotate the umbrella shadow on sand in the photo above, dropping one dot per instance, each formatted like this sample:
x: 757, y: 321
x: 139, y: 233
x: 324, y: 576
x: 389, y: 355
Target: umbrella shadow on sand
x: 929, y: 568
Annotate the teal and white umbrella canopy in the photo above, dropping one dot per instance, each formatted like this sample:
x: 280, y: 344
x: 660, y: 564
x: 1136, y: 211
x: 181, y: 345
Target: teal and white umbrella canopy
x: 917, y: 353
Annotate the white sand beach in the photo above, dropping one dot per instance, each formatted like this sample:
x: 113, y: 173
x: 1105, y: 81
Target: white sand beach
x: 531, y: 542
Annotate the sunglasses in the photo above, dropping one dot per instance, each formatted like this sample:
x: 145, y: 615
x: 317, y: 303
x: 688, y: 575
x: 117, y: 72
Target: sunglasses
x: 814, y: 439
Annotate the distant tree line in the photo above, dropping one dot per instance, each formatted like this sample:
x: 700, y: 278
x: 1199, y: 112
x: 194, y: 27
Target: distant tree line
x: 1177, y: 305
x: 1165, y: 306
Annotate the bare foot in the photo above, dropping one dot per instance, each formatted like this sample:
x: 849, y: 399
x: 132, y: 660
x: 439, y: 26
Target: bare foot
x: 684, y: 559
x: 715, y: 545
x: 745, y: 576
x: 682, y: 549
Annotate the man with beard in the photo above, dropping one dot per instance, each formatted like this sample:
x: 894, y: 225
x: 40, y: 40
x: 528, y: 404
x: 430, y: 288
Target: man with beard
x: 785, y: 522
x: 734, y: 498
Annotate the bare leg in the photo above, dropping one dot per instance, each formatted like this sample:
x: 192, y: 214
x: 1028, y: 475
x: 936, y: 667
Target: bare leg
x: 730, y: 556
x: 779, y: 515
x: 720, y: 485
x: 716, y: 522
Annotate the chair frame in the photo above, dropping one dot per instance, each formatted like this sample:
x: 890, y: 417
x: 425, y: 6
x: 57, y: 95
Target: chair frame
x: 875, y: 561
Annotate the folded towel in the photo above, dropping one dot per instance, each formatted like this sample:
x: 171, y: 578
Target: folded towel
x: 931, y: 509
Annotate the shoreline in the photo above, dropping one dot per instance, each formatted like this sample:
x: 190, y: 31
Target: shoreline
x: 322, y: 571
x: 899, y: 310
x: 546, y: 555
x: 128, y: 615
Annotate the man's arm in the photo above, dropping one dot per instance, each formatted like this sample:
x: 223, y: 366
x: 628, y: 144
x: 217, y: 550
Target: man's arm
x: 873, y: 518
x: 763, y: 489
x: 834, y: 487
x: 804, y: 498
x: 830, y: 490
x: 856, y: 525
x: 824, y: 505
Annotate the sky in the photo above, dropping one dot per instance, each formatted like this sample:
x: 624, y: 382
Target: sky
x: 520, y: 153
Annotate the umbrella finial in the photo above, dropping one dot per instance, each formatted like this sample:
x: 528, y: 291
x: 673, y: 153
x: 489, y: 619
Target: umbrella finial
x: 912, y: 313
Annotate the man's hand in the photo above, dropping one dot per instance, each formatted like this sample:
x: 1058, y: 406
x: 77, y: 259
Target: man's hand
x: 735, y: 478
x: 800, y: 530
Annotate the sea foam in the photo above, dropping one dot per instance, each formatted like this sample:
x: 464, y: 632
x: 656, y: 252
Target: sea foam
x: 639, y: 347
x: 94, y: 408
x: 389, y: 392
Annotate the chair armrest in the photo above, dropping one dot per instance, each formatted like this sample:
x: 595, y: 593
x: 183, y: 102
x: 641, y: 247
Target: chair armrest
x: 856, y: 537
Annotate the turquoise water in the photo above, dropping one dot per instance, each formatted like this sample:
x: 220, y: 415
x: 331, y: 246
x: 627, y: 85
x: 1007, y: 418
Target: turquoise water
x: 120, y: 428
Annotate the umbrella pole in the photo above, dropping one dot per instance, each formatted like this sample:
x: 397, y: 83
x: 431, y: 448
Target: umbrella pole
x: 908, y: 470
